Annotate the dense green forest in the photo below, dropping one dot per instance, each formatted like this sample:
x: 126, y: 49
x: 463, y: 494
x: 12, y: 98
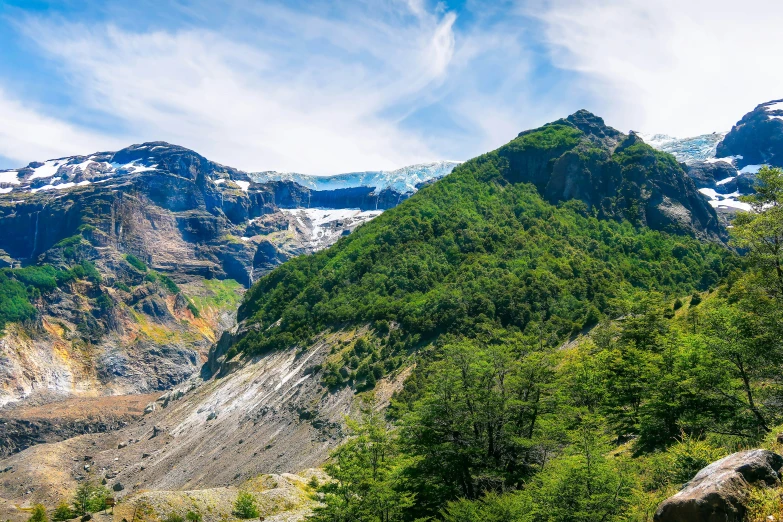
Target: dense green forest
x: 500, y: 428
x: 571, y: 363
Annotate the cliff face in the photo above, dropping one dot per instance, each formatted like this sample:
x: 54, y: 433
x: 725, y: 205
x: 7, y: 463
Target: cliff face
x: 757, y: 138
x: 199, y: 224
x: 616, y: 175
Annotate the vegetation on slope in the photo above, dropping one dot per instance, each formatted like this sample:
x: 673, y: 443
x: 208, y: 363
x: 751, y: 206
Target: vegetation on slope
x: 501, y: 429
x: 475, y: 255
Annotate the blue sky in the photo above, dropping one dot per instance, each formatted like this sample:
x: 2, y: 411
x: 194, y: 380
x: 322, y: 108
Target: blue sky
x: 326, y: 87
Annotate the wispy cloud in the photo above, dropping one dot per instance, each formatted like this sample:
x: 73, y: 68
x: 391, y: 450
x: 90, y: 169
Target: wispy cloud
x: 326, y: 87
x: 682, y: 67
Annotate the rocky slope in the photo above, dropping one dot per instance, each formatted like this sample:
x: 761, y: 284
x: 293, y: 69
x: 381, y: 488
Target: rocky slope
x: 724, y: 165
x: 190, y: 226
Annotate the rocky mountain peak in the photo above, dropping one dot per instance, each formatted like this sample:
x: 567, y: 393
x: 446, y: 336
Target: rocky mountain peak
x: 757, y: 138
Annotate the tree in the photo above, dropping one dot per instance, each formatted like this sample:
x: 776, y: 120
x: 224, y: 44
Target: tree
x: 38, y: 514
x: 63, y: 512
x: 760, y: 231
x: 367, y: 476
x: 245, y: 506
x: 89, y: 498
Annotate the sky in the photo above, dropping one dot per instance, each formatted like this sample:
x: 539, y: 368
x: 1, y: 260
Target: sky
x: 340, y: 86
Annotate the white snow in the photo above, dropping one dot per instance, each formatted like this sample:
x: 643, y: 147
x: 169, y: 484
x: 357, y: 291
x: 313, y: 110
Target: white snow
x: 750, y: 169
x: 728, y: 159
x: 218, y: 181
x: 724, y: 181
x: 774, y: 107
x: 245, y: 238
x: 403, y: 180
x: 724, y: 200
x: 133, y: 167
x: 319, y: 218
x: 6, y: 190
x: 731, y: 203
x: 47, y: 170
x: 244, y: 185
x: 10, y: 177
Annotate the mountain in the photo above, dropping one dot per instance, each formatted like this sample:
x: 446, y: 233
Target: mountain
x: 122, y: 268
x: 403, y: 181
x: 757, y: 138
x: 529, y: 243
x: 724, y: 164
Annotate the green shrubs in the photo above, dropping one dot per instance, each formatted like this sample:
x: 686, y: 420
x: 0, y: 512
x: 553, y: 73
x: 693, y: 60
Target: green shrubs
x: 136, y: 263
x: 193, y: 309
x: 170, y: 285
x: 38, y: 514
x: 245, y: 506
x: 63, y: 512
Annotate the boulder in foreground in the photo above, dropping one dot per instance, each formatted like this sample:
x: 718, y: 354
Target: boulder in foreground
x: 720, y: 491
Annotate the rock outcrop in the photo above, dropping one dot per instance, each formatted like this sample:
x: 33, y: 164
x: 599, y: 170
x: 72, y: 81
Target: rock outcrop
x: 617, y: 175
x: 757, y: 138
x: 719, y: 492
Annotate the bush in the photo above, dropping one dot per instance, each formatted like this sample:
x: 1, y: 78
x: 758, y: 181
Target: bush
x: 119, y: 285
x: 62, y: 513
x: 193, y: 309
x: 170, y: 285
x: 695, y: 299
x: 193, y: 516
x: 677, y: 304
x: 245, y: 506
x: 136, y: 263
x: 173, y: 517
x: 38, y: 514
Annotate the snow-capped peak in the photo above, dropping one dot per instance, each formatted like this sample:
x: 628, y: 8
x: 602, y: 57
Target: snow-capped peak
x: 403, y: 180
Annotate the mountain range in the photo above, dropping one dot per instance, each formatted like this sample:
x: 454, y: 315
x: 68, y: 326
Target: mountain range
x: 265, y: 305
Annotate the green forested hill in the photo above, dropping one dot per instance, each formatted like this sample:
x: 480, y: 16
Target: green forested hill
x: 481, y: 277
x: 483, y: 249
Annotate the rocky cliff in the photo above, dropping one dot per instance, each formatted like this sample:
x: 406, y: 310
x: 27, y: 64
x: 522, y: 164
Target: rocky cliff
x: 167, y: 232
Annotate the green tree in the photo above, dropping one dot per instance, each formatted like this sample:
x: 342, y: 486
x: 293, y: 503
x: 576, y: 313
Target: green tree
x: 38, y: 514
x: 366, y: 476
x: 760, y: 231
x: 62, y: 512
x: 245, y: 506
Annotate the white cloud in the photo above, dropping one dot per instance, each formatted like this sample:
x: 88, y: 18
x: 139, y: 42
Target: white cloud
x: 27, y: 134
x: 682, y: 67
x: 246, y: 106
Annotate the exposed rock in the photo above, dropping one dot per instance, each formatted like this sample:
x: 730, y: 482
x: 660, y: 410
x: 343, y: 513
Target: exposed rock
x: 757, y: 137
x: 118, y: 486
x: 719, y: 492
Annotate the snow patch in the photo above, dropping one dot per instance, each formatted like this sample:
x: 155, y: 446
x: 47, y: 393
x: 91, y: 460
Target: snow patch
x: 774, y: 107
x: 244, y: 185
x: 727, y: 180
x: 6, y: 190
x: 750, y: 169
x: 47, y: 170
x: 11, y: 176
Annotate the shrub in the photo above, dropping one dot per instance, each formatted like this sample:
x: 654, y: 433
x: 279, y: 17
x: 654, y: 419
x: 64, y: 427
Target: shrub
x: 38, y: 514
x: 695, y: 299
x: 62, y: 513
x: 136, y: 263
x: 193, y: 516
x: 173, y: 517
x: 677, y: 304
x: 170, y: 285
x: 193, y: 309
x: 245, y: 506
x: 121, y: 286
